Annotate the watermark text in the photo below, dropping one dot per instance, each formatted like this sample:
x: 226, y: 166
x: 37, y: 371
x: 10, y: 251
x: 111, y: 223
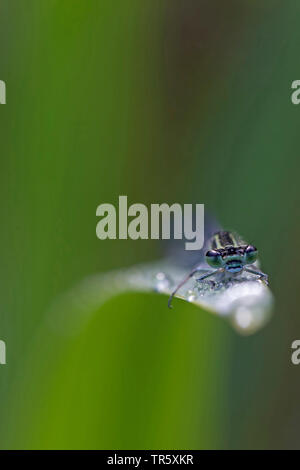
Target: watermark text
x: 133, y: 222
x: 2, y: 92
x: 2, y: 352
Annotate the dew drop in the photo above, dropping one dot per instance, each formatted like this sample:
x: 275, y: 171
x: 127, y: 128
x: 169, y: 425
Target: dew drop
x: 162, y: 282
x: 191, y: 296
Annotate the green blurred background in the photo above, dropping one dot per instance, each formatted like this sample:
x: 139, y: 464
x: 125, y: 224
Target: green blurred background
x: 164, y: 101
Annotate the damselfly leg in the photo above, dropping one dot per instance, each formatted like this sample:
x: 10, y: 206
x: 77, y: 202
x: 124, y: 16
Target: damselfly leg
x: 262, y: 276
x: 186, y: 279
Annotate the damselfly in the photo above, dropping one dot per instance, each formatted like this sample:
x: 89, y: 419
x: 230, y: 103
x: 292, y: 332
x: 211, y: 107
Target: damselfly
x: 229, y: 255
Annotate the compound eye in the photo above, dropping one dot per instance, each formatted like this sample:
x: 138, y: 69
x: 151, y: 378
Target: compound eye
x: 214, y: 259
x: 251, y: 254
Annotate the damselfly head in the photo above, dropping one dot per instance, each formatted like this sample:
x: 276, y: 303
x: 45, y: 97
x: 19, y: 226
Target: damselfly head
x: 227, y: 253
x: 231, y: 258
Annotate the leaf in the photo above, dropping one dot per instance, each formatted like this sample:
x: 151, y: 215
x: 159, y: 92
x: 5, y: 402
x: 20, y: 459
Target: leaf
x: 246, y: 302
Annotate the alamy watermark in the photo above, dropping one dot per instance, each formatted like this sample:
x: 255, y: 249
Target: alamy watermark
x: 295, y: 357
x: 137, y: 222
x: 2, y: 92
x: 2, y: 352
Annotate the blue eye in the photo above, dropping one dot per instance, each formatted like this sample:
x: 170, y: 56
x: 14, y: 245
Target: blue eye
x: 214, y: 259
x: 250, y: 254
